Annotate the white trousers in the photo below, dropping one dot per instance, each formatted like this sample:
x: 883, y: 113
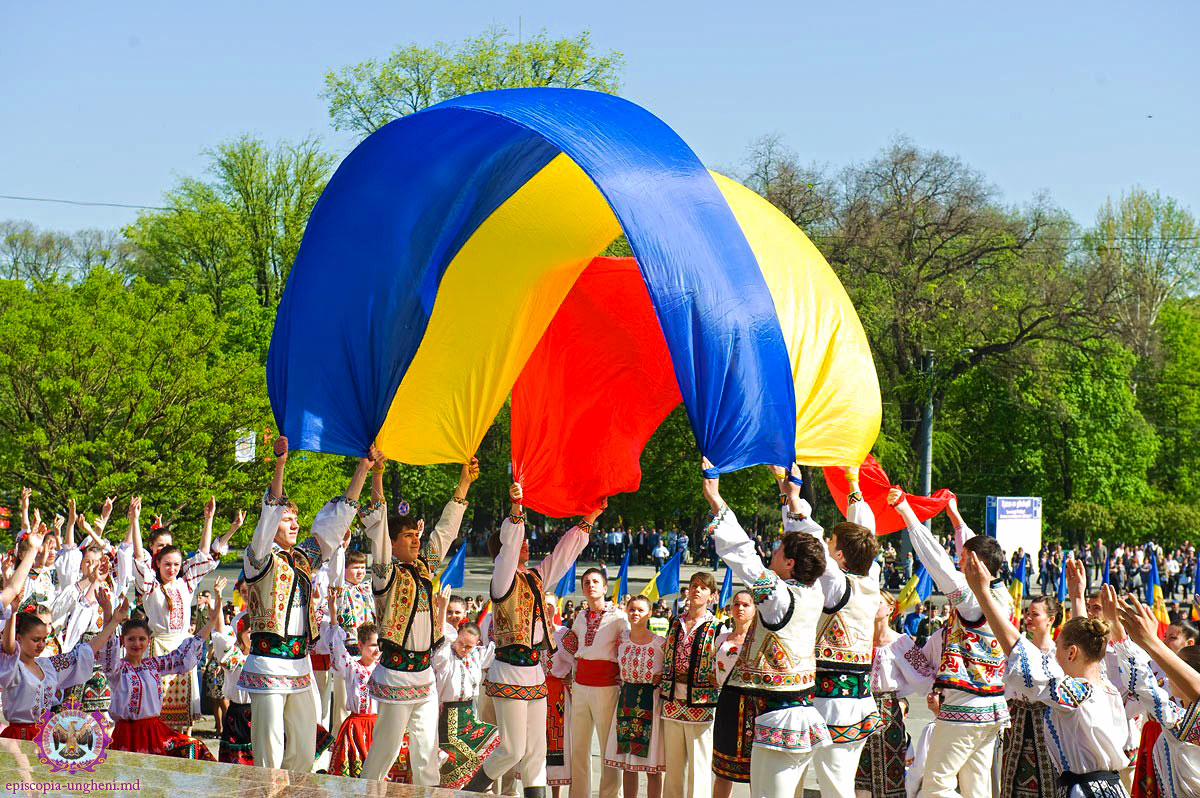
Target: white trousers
x: 283, y: 730
x: 420, y: 720
x: 522, y: 726
x: 323, y: 680
x: 687, y: 747
x: 835, y: 766
x: 960, y: 760
x: 337, y: 703
x: 592, y: 709
x: 777, y: 774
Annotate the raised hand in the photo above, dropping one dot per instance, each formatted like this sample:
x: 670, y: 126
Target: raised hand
x: 210, y: 507
x: 239, y: 518
x: 105, y: 602
x: 157, y: 522
x: 1076, y: 579
x: 58, y: 523
x: 281, y: 448
x: 71, y: 506
x: 515, y: 493
x: 121, y: 614
x: 1138, y: 620
x: 1111, y: 613
x: 470, y: 471
x: 37, y: 537
x: 894, y: 496
x: 977, y: 574
x: 25, y: 494
x: 105, y: 510
x: 135, y: 509
x: 37, y: 519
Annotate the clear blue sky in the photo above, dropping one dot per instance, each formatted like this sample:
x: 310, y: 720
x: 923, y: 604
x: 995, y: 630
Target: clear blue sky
x: 115, y: 101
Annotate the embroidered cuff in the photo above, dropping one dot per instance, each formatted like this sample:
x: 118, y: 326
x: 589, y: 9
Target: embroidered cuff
x: 855, y: 496
x: 715, y: 520
x: 583, y: 524
x: 457, y: 500
x: 366, y: 508
x: 271, y: 500
x: 351, y: 503
x: 764, y: 586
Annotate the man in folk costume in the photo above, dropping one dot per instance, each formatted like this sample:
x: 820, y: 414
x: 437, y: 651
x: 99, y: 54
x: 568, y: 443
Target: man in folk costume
x: 283, y: 621
x: 520, y: 630
x: 970, y: 662
x: 778, y: 664
x: 846, y: 633
x: 409, y: 633
x: 593, y: 641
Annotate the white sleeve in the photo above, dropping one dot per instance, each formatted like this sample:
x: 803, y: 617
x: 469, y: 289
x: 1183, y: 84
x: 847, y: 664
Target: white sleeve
x: 330, y: 525
x: 445, y: 531
x: 375, y: 523
x: 565, y: 552
x: 258, y: 554
x: 1037, y: 676
x: 736, y: 548
x: 1136, y: 680
x: 943, y: 571
x: 504, y: 569
x: 67, y: 564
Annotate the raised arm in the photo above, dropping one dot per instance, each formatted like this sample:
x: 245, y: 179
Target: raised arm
x: 221, y: 546
x: 1077, y: 588
x: 448, y: 525
x: 135, y: 527
x: 210, y: 509
x: 1137, y: 619
x: 334, y: 519
x: 16, y: 585
x: 10, y: 634
x: 979, y: 578
x: 274, y: 505
x: 69, y: 527
x: 962, y: 532
x: 935, y: 559
x: 112, y: 619
x: 568, y: 548
x: 374, y: 518
x: 832, y: 583
x: 25, y: 494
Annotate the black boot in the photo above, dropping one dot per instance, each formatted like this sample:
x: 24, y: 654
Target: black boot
x: 480, y: 782
x: 535, y: 792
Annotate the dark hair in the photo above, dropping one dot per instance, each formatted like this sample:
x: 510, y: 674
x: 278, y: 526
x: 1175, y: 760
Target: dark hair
x: 356, y: 558
x: 400, y: 523
x: 743, y: 592
x: 1190, y: 656
x: 1053, y: 608
x: 988, y: 551
x: 494, y: 544
x: 597, y: 572
x: 456, y: 599
x: 170, y: 548
x: 704, y: 578
x: 1089, y: 634
x: 27, y: 622
x: 631, y: 599
x: 136, y: 623
x: 155, y: 534
x: 470, y: 627
x: 807, y: 554
x: 1188, y: 628
x: 858, y: 546
x: 366, y: 630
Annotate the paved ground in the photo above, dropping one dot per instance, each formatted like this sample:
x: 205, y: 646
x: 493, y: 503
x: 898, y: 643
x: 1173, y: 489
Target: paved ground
x: 479, y: 571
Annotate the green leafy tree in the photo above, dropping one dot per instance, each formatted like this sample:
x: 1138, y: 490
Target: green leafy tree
x: 366, y: 96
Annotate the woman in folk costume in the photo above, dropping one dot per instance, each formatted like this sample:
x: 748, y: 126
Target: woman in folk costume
x: 230, y: 652
x: 82, y: 602
x: 136, y: 681
x: 282, y: 608
x: 635, y: 741
x: 733, y: 729
x: 465, y: 741
x: 167, y: 593
x: 558, y: 663
x: 1085, y: 718
x: 520, y: 630
x: 778, y: 664
x: 899, y: 669
x: 402, y: 580
x: 845, y: 635
x: 1027, y: 769
x: 30, y: 679
x: 1179, y: 635
x: 970, y: 663
x: 1175, y: 755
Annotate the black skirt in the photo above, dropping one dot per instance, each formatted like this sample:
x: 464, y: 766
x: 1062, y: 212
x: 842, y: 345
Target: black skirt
x: 235, y: 736
x: 733, y: 735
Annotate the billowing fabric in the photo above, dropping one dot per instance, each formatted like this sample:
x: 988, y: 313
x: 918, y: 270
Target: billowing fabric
x: 451, y: 238
x: 874, y: 483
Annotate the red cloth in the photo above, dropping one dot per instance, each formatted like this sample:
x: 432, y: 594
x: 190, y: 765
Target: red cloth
x: 320, y: 662
x: 1145, y: 785
x: 152, y: 736
x: 874, y: 484
x: 597, y: 673
x: 353, y: 743
x: 21, y: 731
x: 573, y: 445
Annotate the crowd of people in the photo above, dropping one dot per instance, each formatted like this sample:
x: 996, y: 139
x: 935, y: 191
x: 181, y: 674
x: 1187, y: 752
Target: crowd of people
x: 809, y: 667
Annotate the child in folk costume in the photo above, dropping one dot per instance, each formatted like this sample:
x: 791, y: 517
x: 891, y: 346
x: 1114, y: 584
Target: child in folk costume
x: 520, y: 630
x: 167, y: 593
x: 778, y: 664
x: 356, y: 606
x: 1175, y: 754
x: 31, y: 681
x: 402, y: 581
x: 558, y: 663
x: 899, y: 669
x: 1086, y: 715
x: 1027, y: 770
x: 356, y: 734
x: 230, y: 652
x: 136, y: 681
x: 733, y: 729
x: 970, y: 663
x: 593, y: 640
x: 635, y: 739
x: 845, y: 635
x: 690, y: 688
x: 465, y: 741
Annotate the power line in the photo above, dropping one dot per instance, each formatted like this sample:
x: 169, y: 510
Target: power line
x: 85, y: 202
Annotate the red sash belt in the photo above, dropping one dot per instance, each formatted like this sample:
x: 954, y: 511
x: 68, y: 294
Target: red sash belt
x: 597, y: 673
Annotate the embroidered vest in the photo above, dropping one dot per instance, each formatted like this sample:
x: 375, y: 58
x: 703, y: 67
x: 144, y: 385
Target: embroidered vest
x: 409, y: 591
x: 282, y: 588
x: 514, y: 617
x: 845, y: 641
x: 779, y: 659
x: 972, y: 660
x: 703, y: 688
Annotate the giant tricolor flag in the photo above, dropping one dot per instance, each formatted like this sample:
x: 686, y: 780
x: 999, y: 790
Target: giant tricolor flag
x: 461, y: 243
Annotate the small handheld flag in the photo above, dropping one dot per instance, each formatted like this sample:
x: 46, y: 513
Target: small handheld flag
x: 455, y: 573
x: 726, y: 594
x: 666, y: 581
x: 622, y: 588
